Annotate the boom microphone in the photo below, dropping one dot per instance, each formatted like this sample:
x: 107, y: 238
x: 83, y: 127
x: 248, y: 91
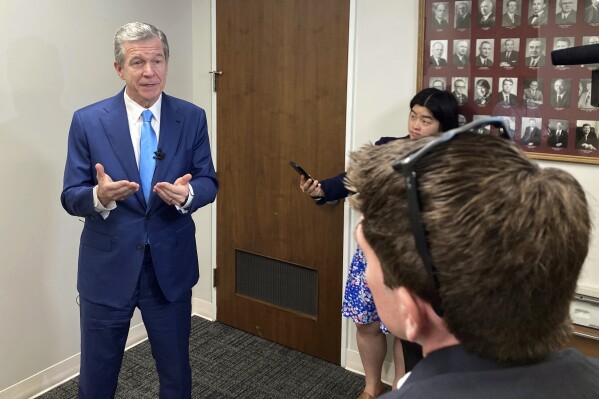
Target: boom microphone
x: 579, y: 55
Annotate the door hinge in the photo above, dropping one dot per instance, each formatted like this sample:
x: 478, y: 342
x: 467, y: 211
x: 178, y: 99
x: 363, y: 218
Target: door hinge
x: 214, y: 75
x: 214, y: 277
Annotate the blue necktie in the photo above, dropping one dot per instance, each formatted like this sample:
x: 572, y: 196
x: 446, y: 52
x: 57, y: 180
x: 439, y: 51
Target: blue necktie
x: 146, y: 154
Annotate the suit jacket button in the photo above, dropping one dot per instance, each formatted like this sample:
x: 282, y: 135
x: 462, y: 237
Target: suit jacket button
x: 148, y: 216
x: 141, y: 245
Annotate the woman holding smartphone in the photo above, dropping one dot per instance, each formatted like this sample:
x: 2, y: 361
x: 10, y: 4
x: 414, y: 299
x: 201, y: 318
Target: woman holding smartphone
x: 431, y: 111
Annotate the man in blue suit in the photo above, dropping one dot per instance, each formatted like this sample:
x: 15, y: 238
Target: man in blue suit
x: 137, y: 247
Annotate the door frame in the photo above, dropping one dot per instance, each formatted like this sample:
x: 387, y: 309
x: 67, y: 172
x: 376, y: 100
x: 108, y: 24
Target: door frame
x: 348, y: 240
x: 213, y: 130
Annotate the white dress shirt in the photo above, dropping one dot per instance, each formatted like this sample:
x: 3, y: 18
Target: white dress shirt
x: 134, y: 119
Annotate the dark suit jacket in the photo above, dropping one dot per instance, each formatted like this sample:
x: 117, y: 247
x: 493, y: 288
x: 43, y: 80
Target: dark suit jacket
x: 334, y: 187
x: 533, y: 100
x: 513, y: 58
x: 457, y: 62
x: 569, y: 20
x: 531, y: 136
x: 453, y: 373
x: 463, y: 22
x: 479, y: 61
x: 564, y: 103
x: 435, y: 24
x: 553, y: 140
x: 508, y: 22
x: 541, y: 20
x: 487, y: 23
x: 590, y: 139
x: 513, y: 100
x: 591, y: 15
x: 442, y: 61
x: 540, y: 62
x: 483, y: 100
x: 462, y: 99
x: 111, y: 250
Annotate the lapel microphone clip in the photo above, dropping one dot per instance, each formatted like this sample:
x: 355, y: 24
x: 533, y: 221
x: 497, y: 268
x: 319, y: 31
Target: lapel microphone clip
x: 159, y: 155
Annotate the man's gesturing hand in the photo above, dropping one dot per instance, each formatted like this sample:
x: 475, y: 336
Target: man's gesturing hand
x: 109, y: 190
x: 174, y: 194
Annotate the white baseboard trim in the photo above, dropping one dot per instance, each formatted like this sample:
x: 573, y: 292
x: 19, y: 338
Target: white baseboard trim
x: 202, y: 308
x: 61, y: 372
x: 44, y: 380
x: 137, y: 335
x: 353, y: 363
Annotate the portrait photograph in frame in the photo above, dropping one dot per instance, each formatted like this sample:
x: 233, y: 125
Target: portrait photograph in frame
x: 509, y: 72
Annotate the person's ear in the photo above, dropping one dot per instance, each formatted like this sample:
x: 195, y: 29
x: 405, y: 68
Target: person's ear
x: 411, y: 312
x: 119, y: 70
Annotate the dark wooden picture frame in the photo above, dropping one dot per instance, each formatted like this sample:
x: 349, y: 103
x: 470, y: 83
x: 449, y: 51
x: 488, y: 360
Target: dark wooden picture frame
x: 499, y: 64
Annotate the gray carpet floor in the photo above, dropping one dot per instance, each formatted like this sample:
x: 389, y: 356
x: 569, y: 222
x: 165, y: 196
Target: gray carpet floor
x: 229, y: 363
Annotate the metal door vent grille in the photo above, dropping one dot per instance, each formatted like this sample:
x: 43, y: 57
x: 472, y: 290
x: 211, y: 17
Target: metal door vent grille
x: 279, y: 283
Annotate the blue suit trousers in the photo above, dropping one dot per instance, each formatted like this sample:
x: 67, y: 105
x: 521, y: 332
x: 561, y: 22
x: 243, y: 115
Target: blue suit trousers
x: 104, y: 331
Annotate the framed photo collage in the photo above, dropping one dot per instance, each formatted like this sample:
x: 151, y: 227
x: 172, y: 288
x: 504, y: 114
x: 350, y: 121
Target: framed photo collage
x: 494, y: 56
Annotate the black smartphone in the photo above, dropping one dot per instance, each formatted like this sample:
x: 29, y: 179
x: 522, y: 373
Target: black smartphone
x: 300, y: 170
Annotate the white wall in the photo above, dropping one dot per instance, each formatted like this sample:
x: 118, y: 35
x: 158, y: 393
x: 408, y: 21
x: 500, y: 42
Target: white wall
x: 201, y: 51
x: 56, y: 57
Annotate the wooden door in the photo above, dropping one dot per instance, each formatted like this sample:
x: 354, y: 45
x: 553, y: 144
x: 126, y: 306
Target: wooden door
x: 281, y: 97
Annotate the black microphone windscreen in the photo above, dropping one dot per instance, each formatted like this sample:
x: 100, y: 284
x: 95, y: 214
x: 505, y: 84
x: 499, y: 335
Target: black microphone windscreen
x: 578, y: 55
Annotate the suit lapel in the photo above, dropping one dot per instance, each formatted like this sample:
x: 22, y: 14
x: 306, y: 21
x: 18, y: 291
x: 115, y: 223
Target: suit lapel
x: 116, y: 127
x: 171, y: 125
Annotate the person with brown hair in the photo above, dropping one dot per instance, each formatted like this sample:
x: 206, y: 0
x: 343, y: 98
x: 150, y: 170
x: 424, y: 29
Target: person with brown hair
x: 431, y: 111
x: 458, y: 263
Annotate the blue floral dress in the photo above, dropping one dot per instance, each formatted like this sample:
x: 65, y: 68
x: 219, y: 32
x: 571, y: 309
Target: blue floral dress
x: 358, y: 303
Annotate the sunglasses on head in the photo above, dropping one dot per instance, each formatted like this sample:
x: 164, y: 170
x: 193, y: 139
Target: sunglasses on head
x: 406, y: 166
